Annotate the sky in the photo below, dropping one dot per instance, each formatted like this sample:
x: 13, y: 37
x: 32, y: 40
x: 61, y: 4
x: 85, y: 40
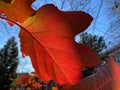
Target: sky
x: 101, y: 26
x: 7, y: 31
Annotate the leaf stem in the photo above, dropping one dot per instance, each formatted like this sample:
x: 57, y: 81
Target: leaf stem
x: 12, y: 22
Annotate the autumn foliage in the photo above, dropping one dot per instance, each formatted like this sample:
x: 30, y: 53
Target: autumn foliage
x: 29, y: 82
x: 32, y: 82
x: 47, y: 36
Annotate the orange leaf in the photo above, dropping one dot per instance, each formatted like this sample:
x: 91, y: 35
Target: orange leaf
x: 16, y: 10
x: 55, y: 88
x: 48, y: 38
x: 24, y: 76
x: 18, y: 82
x: 106, y: 78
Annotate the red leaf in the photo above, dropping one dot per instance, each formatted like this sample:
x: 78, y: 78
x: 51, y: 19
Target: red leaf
x: 48, y: 38
x: 106, y: 78
x: 16, y: 10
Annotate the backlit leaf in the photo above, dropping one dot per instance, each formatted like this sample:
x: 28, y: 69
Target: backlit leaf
x: 48, y: 38
x: 16, y: 10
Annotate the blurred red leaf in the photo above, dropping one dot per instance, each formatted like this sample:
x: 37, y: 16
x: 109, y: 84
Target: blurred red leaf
x: 106, y: 78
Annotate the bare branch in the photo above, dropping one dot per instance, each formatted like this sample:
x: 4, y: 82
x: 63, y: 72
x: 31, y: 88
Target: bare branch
x: 111, y: 51
x: 62, y: 5
x: 99, y: 10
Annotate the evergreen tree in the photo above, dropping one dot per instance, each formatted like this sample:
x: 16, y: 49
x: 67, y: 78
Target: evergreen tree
x: 8, y: 65
x: 97, y: 43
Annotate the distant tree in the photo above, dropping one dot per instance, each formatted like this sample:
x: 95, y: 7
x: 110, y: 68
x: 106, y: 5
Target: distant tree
x: 8, y: 65
x: 97, y: 43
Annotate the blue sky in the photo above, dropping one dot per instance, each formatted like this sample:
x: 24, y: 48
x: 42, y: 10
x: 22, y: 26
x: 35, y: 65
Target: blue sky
x: 6, y: 32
